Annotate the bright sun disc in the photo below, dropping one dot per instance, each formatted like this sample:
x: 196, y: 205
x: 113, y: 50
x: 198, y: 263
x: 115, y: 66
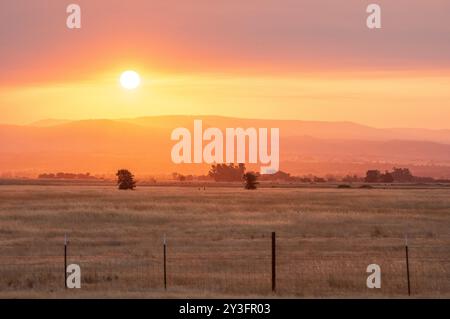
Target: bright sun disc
x: 130, y: 80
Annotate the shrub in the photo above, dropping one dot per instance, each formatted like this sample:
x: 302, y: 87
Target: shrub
x: 251, y: 181
x: 125, y: 180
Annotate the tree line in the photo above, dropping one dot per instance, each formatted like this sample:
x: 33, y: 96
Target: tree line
x: 237, y: 173
x: 397, y: 175
x: 62, y: 175
x: 219, y: 173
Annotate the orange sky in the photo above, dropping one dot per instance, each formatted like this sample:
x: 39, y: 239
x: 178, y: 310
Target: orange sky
x: 312, y: 60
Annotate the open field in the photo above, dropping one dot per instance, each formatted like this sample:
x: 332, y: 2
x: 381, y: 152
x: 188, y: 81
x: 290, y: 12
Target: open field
x: 219, y: 241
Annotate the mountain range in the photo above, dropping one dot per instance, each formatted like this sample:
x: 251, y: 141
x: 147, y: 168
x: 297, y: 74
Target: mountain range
x: 143, y: 145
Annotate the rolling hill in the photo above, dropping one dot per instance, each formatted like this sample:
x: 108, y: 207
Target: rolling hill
x: 144, y: 145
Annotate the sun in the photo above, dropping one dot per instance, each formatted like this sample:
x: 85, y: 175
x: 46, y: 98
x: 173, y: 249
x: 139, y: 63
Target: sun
x: 130, y: 80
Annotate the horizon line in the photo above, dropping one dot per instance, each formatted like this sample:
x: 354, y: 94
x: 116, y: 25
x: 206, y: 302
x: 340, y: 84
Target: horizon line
x: 213, y: 115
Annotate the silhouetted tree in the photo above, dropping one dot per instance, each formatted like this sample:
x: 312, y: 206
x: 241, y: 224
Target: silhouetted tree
x: 372, y: 176
x: 278, y: 176
x: 351, y: 178
x: 402, y: 175
x: 398, y: 175
x: 386, y: 178
x: 125, y: 180
x: 319, y: 179
x: 61, y: 175
x: 331, y: 178
x: 251, y: 180
x: 227, y: 172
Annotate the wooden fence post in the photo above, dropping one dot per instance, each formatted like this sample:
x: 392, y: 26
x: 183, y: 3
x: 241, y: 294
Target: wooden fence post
x: 407, y: 265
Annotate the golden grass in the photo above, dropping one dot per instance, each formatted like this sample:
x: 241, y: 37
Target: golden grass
x: 219, y: 241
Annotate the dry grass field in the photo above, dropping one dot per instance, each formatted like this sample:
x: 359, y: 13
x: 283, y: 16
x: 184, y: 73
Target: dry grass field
x: 219, y: 241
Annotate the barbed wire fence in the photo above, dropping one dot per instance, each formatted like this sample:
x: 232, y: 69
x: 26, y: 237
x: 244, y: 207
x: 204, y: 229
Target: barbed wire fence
x: 299, y: 272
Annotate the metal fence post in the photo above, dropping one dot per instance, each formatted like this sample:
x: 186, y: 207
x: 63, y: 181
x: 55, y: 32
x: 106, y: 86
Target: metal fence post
x: 165, y: 262
x: 65, y: 261
x: 274, y: 263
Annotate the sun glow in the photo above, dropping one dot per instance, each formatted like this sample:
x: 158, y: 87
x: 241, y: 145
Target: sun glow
x: 130, y: 80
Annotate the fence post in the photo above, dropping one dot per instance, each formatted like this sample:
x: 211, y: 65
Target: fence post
x: 407, y: 265
x: 65, y: 260
x: 274, y: 263
x: 165, y: 264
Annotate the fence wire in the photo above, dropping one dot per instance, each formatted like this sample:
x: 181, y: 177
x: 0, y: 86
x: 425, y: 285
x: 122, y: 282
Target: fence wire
x: 298, y: 273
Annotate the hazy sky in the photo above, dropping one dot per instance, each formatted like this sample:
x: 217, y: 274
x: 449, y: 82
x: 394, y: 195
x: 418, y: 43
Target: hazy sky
x: 312, y: 59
